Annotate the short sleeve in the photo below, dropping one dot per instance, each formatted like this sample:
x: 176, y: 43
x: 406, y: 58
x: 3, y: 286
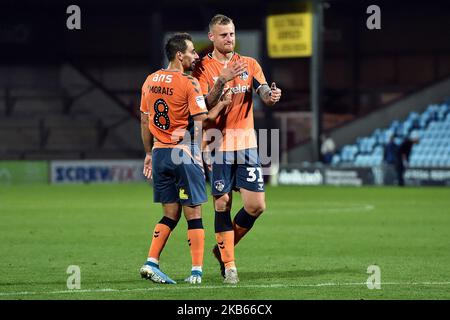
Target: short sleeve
x: 196, y: 100
x: 144, y: 106
x: 258, y: 75
x: 202, y: 78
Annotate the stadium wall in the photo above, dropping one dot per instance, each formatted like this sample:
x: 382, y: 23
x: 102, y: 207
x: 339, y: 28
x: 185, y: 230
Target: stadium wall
x: 359, y: 176
x: 21, y: 172
x: 130, y: 171
x: 71, y: 172
x: 123, y: 128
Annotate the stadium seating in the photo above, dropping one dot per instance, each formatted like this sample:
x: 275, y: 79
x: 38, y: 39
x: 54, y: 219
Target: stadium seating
x: 433, y: 149
x: 39, y: 119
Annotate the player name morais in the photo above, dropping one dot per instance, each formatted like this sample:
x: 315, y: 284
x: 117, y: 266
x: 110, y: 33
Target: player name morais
x: 205, y: 311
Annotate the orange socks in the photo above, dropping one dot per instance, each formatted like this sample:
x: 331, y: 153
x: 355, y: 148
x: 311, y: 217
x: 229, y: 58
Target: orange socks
x: 196, y: 241
x: 160, y: 235
x: 225, y: 240
x: 225, y: 237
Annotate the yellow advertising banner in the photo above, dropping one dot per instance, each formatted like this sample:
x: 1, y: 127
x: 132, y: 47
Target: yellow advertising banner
x: 289, y: 35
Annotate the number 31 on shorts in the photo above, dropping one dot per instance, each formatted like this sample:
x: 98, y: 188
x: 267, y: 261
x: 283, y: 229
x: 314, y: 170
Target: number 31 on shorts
x: 252, y: 175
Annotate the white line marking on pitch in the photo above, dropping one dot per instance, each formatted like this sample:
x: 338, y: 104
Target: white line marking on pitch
x: 263, y: 286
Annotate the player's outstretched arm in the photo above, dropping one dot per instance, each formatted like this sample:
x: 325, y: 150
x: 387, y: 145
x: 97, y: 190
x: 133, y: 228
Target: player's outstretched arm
x: 271, y: 95
x: 229, y: 72
x: 208, y: 120
x: 213, y: 96
x: 223, y: 103
x: 147, y: 141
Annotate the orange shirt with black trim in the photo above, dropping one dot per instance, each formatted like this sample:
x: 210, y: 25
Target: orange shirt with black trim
x: 171, y: 99
x: 236, y: 122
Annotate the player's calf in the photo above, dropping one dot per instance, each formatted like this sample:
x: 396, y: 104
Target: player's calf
x: 216, y: 253
x: 196, y: 241
x: 225, y: 238
x: 242, y: 223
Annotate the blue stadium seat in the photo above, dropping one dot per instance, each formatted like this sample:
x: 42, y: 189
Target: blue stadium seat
x: 336, y: 159
x: 447, y: 118
x: 378, y: 151
x: 432, y: 126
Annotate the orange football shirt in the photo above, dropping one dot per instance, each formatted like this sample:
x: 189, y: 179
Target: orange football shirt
x: 236, y: 123
x: 171, y: 98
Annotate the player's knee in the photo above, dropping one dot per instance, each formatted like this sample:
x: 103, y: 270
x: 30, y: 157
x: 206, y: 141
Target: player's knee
x: 172, y: 213
x: 256, y: 209
x: 221, y: 204
x: 175, y: 216
x: 194, y: 212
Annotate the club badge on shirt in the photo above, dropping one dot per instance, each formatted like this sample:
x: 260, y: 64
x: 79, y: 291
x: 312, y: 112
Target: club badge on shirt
x: 244, y: 76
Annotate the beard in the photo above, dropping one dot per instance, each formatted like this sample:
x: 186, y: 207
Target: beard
x: 227, y: 49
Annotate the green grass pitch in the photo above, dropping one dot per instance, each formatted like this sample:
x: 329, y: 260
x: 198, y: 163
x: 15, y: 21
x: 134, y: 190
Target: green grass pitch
x: 311, y: 243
